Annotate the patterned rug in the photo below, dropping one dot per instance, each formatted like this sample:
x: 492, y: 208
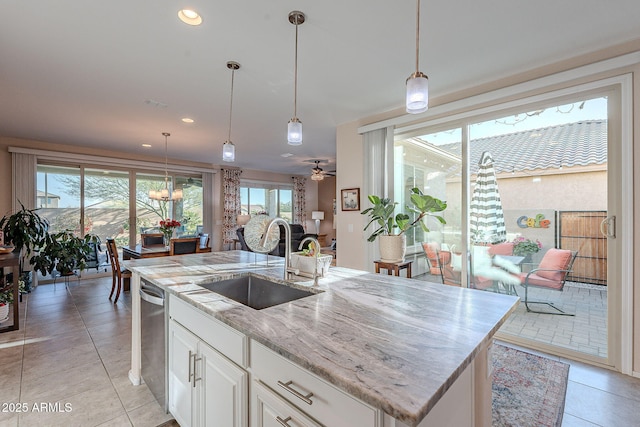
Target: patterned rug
x: 528, y: 390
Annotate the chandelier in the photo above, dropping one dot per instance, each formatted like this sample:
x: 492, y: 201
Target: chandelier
x: 165, y: 195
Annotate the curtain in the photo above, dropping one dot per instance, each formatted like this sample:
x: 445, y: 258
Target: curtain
x: 207, y: 203
x: 231, y: 203
x: 299, y: 201
x: 378, y: 177
x: 24, y: 175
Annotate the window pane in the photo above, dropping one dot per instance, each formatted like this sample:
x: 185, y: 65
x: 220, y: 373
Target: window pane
x: 59, y: 197
x: 149, y: 212
x: 286, y: 205
x: 106, y: 201
x: 188, y: 210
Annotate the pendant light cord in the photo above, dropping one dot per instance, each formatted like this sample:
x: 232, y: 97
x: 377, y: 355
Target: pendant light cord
x: 166, y: 173
x: 417, y: 34
x: 295, y: 76
x: 233, y: 72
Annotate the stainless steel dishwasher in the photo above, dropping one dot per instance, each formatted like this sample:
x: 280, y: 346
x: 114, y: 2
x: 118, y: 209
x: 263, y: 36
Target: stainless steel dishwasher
x: 153, y: 325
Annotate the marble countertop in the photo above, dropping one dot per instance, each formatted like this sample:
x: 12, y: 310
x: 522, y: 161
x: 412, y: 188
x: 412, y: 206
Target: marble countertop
x: 395, y: 343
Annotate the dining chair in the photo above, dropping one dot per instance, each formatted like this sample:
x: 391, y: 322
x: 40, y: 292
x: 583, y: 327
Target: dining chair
x: 118, y: 273
x: 203, y: 244
x: 184, y: 245
x: 151, y: 239
x: 551, y: 273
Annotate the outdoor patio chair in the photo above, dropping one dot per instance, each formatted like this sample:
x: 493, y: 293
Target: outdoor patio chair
x: 450, y: 266
x: 551, y: 274
x: 431, y: 252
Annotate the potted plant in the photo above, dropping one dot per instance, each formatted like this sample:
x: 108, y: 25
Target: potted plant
x: 392, y: 227
x: 525, y: 247
x: 6, y: 298
x: 26, y: 231
x: 63, y: 252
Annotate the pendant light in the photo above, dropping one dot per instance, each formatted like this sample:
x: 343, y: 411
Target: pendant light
x: 228, y: 149
x: 294, y: 128
x: 417, y: 83
x: 165, y: 195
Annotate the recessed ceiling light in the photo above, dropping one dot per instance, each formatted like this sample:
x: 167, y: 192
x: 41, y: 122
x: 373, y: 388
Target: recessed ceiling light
x: 190, y: 17
x: 146, y: 145
x: 286, y: 155
x: 187, y: 120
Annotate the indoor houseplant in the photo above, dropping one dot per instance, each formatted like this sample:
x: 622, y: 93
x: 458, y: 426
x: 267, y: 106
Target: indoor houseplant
x: 391, y: 227
x: 26, y: 231
x: 63, y: 252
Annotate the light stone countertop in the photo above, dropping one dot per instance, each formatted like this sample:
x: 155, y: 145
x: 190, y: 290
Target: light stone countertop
x: 395, y: 343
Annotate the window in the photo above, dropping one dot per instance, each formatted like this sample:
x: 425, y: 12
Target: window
x: 272, y: 199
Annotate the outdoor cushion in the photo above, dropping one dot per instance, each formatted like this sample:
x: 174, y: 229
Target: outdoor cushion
x: 505, y: 248
x: 535, y: 280
x: 554, y: 259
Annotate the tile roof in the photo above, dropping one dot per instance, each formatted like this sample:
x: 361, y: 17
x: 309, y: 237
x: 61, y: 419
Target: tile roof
x: 572, y: 144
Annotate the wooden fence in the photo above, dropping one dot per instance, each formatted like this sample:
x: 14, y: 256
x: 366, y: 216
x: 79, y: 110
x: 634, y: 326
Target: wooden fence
x: 580, y: 231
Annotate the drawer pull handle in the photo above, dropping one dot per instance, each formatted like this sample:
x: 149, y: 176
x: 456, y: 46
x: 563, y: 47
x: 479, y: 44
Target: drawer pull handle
x: 190, y: 372
x: 305, y: 398
x: 195, y: 376
x: 285, y: 422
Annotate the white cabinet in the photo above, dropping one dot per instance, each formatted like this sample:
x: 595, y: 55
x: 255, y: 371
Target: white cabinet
x: 301, y: 389
x: 205, y: 388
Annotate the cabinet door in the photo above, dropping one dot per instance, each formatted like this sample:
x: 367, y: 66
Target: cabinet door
x: 183, y: 346
x: 223, y: 390
x: 270, y: 410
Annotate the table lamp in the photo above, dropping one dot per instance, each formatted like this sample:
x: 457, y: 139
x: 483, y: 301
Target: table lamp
x: 318, y: 216
x: 242, y: 220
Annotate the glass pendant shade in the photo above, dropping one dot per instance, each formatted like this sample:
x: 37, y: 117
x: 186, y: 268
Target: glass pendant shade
x: 228, y: 151
x: 417, y: 93
x: 294, y: 132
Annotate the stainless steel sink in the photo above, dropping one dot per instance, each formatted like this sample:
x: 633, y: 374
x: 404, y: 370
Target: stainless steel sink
x: 255, y: 292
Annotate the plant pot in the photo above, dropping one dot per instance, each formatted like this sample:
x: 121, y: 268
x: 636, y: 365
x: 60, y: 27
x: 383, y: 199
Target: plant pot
x: 392, y: 248
x: 4, y: 312
x: 306, y: 263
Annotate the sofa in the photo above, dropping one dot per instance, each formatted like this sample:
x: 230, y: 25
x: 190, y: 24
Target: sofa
x: 297, y: 235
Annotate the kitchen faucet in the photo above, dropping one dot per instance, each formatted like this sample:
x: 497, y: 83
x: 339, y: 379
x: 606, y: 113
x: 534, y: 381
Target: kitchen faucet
x: 287, y: 245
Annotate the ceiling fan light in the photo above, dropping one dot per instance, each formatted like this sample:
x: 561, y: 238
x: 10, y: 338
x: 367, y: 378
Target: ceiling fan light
x: 417, y: 93
x: 294, y: 132
x: 317, y: 177
x: 228, y: 151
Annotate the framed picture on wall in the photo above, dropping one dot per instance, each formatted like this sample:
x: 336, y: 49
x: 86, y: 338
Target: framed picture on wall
x: 350, y: 199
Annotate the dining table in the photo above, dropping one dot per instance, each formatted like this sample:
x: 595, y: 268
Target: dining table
x: 153, y: 251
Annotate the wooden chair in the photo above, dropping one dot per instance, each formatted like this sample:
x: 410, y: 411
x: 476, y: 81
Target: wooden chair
x: 184, y: 245
x: 118, y: 273
x: 551, y: 273
x: 151, y: 239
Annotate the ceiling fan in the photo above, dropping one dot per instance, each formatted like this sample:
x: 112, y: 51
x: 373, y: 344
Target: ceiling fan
x: 317, y: 173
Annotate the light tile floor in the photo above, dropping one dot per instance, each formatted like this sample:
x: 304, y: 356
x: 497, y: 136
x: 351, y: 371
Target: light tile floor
x: 73, y: 348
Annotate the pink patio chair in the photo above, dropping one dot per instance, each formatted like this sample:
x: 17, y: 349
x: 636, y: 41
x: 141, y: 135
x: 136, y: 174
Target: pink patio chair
x: 551, y: 274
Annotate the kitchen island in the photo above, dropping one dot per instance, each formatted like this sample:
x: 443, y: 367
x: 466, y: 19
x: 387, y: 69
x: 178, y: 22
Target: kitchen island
x: 400, y: 346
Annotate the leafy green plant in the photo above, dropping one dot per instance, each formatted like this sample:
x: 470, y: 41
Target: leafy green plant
x: 63, y: 252
x: 381, y: 214
x: 25, y: 230
x: 523, y: 246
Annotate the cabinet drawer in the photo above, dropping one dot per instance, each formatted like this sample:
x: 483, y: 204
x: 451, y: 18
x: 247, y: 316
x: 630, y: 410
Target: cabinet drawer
x: 327, y: 404
x: 270, y: 410
x: 223, y: 338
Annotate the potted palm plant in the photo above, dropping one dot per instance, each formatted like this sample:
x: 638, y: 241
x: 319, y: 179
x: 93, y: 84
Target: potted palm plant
x: 25, y: 230
x: 391, y: 227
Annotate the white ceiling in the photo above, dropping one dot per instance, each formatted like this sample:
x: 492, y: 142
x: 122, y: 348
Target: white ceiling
x: 83, y: 72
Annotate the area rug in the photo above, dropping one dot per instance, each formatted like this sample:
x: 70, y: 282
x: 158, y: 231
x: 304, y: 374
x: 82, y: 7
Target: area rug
x: 528, y: 390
